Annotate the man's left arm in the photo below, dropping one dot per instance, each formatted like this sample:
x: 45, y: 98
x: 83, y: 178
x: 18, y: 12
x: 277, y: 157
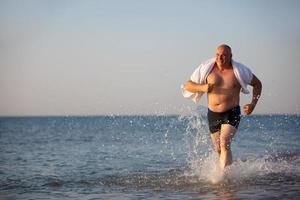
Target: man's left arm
x: 257, y: 86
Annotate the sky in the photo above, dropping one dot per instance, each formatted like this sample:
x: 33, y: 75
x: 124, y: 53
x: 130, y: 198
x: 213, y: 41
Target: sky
x: 130, y: 57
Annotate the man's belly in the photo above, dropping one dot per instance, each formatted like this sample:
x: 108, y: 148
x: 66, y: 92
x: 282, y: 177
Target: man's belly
x: 222, y: 102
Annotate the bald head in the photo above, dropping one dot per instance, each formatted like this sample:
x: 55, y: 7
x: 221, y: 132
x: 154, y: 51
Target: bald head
x: 225, y: 47
x: 223, y: 56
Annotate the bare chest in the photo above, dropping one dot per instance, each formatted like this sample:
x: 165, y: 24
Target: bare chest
x: 223, y: 79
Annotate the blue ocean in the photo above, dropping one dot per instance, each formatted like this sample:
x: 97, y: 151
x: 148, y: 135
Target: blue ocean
x: 146, y: 157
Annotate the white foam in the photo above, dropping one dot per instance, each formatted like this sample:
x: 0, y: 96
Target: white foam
x: 208, y: 168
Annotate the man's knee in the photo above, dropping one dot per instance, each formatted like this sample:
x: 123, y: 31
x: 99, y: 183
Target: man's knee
x: 225, y: 146
x: 226, y: 137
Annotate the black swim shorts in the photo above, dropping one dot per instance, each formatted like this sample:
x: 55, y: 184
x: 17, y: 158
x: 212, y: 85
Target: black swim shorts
x: 216, y: 119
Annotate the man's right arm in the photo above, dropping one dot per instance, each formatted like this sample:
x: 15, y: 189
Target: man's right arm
x: 195, y: 87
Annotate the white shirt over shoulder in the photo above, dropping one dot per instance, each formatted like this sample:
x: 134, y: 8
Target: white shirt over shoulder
x: 242, y: 73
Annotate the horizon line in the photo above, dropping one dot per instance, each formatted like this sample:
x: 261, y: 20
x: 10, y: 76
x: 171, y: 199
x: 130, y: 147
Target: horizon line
x: 134, y: 115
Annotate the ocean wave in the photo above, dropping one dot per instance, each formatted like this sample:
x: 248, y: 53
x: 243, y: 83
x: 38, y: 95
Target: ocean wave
x: 267, y: 169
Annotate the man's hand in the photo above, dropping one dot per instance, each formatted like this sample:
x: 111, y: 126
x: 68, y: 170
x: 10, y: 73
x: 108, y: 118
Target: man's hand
x: 248, y: 108
x: 208, y: 87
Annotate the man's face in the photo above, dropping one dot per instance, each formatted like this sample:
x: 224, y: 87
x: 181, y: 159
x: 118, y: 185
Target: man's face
x: 223, y: 56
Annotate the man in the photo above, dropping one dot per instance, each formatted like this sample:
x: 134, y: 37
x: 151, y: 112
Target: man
x: 222, y: 79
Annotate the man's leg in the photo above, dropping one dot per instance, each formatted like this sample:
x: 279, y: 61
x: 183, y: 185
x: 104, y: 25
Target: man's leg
x: 215, y: 138
x: 226, y: 134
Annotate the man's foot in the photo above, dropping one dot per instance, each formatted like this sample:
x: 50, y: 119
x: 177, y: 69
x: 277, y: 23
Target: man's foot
x: 217, y: 178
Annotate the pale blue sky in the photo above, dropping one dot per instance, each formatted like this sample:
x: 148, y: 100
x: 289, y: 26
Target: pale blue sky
x: 130, y: 57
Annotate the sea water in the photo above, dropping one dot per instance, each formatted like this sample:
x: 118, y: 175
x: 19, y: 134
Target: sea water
x: 146, y: 157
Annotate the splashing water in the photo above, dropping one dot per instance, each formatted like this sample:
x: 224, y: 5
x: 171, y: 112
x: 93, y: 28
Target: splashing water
x: 204, y: 164
x: 202, y: 160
